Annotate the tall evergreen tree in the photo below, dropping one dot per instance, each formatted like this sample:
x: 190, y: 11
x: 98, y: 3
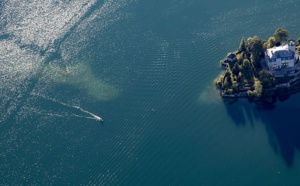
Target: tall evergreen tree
x: 257, y: 51
x: 242, y: 45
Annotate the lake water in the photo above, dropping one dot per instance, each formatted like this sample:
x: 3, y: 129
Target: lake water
x: 147, y: 68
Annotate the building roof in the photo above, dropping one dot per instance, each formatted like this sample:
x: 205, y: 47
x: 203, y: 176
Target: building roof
x: 231, y: 56
x: 280, y: 52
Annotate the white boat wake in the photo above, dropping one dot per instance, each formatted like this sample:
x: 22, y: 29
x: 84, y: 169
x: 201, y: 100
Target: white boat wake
x: 92, y: 116
x: 98, y: 118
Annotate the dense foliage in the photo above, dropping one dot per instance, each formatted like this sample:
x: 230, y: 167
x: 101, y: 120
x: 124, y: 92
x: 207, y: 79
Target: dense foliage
x: 245, y: 73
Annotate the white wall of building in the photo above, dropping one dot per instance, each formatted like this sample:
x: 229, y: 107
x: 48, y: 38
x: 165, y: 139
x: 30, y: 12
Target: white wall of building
x: 279, y: 63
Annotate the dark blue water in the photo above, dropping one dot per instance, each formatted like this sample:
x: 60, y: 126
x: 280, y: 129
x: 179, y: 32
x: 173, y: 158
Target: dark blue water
x: 147, y: 68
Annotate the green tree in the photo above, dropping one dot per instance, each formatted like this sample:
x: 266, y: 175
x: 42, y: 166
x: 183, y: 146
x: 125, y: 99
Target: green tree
x: 236, y: 69
x: 257, y: 92
x: 298, y: 49
x: 271, y: 42
x: 227, y: 82
x: 246, y: 70
x: 242, y: 45
x: 235, y: 87
x: 240, y: 57
x: 257, y: 50
x: 240, y: 79
x: 257, y: 87
x: 246, y: 66
x: 218, y: 82
x: 298, y: 41
x: 248, y: 44
x: 281, y: 35
x: 267, y: 79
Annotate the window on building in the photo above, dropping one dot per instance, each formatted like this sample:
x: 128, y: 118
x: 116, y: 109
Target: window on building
x: 284, y: 64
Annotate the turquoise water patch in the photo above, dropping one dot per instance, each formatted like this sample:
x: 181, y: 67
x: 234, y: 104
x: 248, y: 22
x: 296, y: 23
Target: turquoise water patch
x: 80, y: 76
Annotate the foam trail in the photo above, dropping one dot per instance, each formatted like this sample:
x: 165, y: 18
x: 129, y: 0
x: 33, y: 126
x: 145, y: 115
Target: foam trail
x: 75, y: 115
x: 93, y: 116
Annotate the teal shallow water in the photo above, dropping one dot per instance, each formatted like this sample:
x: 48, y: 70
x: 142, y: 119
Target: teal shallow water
x: 147, y: 68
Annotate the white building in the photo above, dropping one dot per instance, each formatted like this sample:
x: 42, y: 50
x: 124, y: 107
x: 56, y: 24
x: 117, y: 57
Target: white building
x: 281, y: 56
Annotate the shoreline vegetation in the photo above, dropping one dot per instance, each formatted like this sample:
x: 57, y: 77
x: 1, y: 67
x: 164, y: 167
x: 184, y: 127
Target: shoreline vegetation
x: 248, y: 76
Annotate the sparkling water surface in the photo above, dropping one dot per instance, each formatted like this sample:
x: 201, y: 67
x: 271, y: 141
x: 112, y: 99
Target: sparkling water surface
x: 147, y: 68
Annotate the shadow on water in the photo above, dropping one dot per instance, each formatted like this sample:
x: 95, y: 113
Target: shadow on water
x: 281, y: 123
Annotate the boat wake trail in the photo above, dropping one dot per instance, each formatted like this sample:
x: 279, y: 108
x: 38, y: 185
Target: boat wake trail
x: 92, y: 116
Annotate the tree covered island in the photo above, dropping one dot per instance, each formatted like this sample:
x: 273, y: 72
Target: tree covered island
x: 262, y: 70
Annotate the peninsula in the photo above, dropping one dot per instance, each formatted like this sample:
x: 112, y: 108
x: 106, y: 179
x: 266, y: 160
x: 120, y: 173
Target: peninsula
x: 262, y: 70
